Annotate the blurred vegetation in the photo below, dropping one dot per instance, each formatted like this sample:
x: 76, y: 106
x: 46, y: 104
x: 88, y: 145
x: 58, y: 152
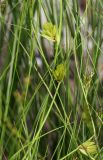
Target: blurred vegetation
x: 51, y: 79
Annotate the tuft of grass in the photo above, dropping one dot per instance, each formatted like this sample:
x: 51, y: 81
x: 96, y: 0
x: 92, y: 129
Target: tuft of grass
x: 51, y: 80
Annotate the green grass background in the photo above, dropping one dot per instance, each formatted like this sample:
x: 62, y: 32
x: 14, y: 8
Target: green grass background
x: 41, y: 119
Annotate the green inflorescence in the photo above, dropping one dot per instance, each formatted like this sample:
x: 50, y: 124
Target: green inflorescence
x: 50, y: 31
x: 59, y: 72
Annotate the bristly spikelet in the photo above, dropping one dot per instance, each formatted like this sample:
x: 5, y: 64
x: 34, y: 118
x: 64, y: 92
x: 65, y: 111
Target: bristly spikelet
x: 88, y: 148
x: 50, y: 32
x: 87, y: 81
x: 59, y: 72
